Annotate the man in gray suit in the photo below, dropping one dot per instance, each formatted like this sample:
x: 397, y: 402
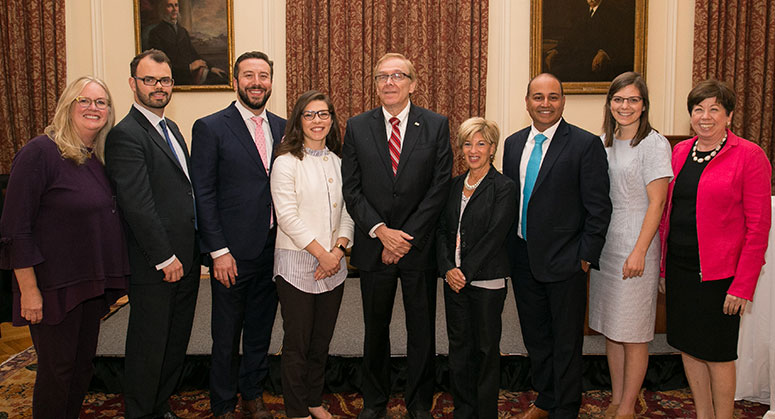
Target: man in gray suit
x: 147, y: 161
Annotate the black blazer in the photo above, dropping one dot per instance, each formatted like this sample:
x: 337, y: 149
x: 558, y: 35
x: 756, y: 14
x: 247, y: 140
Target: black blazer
x: 486, y: 222
x: 410, y: 201
x: 232, y: 186
x: 569, y: 208
x: 154, y: 194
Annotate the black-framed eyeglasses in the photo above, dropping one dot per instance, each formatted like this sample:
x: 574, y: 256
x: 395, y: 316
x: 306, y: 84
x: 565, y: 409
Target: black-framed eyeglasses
x: 151, y: 81
x: 310, y: 115
x: 632, y: 100
x: 396, y: 77
x: 84, y: 102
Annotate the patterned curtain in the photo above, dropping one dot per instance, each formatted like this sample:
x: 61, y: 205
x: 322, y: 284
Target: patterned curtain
x: 32, y: 70
x: 734, y: 41
x: 333, y: 45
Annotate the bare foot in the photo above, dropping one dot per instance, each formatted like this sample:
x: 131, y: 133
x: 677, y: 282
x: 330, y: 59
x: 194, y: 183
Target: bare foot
x: 319, y: 412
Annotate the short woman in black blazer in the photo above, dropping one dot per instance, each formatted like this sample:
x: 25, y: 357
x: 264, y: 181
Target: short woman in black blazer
x: 471, y: 254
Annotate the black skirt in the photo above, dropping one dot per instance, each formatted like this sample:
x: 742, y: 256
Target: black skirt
x: 696, y: 323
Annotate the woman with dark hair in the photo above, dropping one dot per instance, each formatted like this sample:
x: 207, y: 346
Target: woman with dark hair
x: 63, y: 239
x: 623, y: 293
x: 471, y: 253
x: 314, y: 231
x: 714, y: 235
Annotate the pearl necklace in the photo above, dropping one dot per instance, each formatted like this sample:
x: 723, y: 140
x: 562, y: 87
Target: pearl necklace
x: 471, y: 187
x: 709, y: 156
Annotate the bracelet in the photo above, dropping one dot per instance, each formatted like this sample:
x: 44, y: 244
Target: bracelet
x: 341, y: 247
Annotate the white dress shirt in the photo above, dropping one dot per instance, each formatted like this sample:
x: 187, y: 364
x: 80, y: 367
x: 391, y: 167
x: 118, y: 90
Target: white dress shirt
x: 529, y: 145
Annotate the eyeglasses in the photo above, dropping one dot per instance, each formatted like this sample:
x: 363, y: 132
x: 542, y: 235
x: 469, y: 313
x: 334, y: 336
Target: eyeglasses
x: 151, y: 81
x: 85, y: 102
x: 396, y: 77
x: 632, y: 100
x: 310, y: 115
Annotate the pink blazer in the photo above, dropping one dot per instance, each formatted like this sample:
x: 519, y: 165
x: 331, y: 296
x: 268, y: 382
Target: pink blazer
x: 733, y: 213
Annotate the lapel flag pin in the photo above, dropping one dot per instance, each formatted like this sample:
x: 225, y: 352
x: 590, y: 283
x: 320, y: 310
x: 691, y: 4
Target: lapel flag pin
x: 417, y: 124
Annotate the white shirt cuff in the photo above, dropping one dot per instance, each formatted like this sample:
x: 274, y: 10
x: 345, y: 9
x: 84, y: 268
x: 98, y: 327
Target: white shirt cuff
x: 220, y: 252
x: 372, y: 233
x: 165, y: 263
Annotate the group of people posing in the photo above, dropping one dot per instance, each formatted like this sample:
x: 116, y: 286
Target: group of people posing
x: 94, y: 210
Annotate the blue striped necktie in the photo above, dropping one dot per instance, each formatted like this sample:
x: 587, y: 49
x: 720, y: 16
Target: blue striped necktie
x: 533, y: 164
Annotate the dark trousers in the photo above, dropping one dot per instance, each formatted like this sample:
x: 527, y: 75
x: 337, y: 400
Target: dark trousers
x: 474, y: 332
x: 65, y: 352
x: 160, y: 319
x: 551, y: 315
x: 308, y: 325
x: 378, y: 290
x: 246, y: 309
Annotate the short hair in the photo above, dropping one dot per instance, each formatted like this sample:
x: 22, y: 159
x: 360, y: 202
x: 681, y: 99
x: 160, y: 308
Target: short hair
x: 409, y: 65
x: 156, y: 54
x: 477, y: 124
x: 254, y: 54
x: 293, y: 141
x: 621, y: 81
x: 527, y: 92
x: 712, y: 88
x: 62, y: 130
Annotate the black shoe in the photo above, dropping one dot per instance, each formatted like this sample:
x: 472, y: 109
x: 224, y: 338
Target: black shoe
x: 372, y: 413
x: 420, y: 414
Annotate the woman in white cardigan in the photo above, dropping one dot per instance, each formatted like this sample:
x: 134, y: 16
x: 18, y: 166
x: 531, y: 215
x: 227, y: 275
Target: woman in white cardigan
x: 309, y: 266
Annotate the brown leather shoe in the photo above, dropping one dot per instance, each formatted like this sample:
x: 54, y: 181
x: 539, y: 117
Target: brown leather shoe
x: 534, y: 412
x: 255, y: 409
x: 228, y: 415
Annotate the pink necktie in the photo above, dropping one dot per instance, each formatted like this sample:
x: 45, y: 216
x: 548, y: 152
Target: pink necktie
x: 395, y: 144
x: 261, y: 146
x: 261, y: 141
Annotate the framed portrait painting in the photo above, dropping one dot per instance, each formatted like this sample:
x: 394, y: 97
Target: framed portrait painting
x: 587, y: 43
x: 197, y: 35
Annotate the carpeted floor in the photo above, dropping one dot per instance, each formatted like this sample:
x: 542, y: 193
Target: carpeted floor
x: 17, y: 376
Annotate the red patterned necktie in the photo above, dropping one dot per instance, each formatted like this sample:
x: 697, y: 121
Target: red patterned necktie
x: 395, y: 144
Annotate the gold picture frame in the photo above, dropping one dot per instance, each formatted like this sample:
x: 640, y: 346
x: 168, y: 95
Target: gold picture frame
x: 587, y: 48
x: 201, y: 58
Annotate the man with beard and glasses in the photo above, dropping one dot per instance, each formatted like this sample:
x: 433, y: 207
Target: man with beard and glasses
x: 147, y: 160
x: 231, y: 154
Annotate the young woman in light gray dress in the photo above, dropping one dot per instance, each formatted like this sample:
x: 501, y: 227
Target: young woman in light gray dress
x: 623, y: 293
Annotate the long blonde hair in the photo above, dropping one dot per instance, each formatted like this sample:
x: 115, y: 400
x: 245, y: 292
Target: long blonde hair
x: 62, y: 130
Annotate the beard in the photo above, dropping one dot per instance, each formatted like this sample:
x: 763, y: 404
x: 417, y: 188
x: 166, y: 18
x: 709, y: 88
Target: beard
x: 150, y: 102
x: 253, y: 104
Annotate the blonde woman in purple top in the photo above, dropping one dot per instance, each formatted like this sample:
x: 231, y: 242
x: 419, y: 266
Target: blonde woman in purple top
x: 62, y: 237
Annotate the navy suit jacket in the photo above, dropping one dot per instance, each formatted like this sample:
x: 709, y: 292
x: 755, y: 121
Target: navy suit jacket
x: 569, y: 209
x: 411, y: 200
x: 232, y: 186
x: 154, y: 195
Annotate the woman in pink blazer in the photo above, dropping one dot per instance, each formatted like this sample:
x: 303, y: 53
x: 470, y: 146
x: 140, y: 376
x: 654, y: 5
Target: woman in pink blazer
x: 714, y: 234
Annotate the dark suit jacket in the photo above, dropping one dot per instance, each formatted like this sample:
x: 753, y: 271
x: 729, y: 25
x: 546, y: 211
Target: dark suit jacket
x: 232, y: 186
x: 154, y: 195
x: 569, y: 209
x: 410, y: 201
x: 486, y: 222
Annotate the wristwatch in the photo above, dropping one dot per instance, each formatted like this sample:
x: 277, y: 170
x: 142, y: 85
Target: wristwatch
x: 341, y: 247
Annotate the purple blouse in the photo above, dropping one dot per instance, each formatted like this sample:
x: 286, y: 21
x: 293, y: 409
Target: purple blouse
x: 62, y: 219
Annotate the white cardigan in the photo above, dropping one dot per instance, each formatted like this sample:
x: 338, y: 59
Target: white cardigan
x: 308, y: 201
